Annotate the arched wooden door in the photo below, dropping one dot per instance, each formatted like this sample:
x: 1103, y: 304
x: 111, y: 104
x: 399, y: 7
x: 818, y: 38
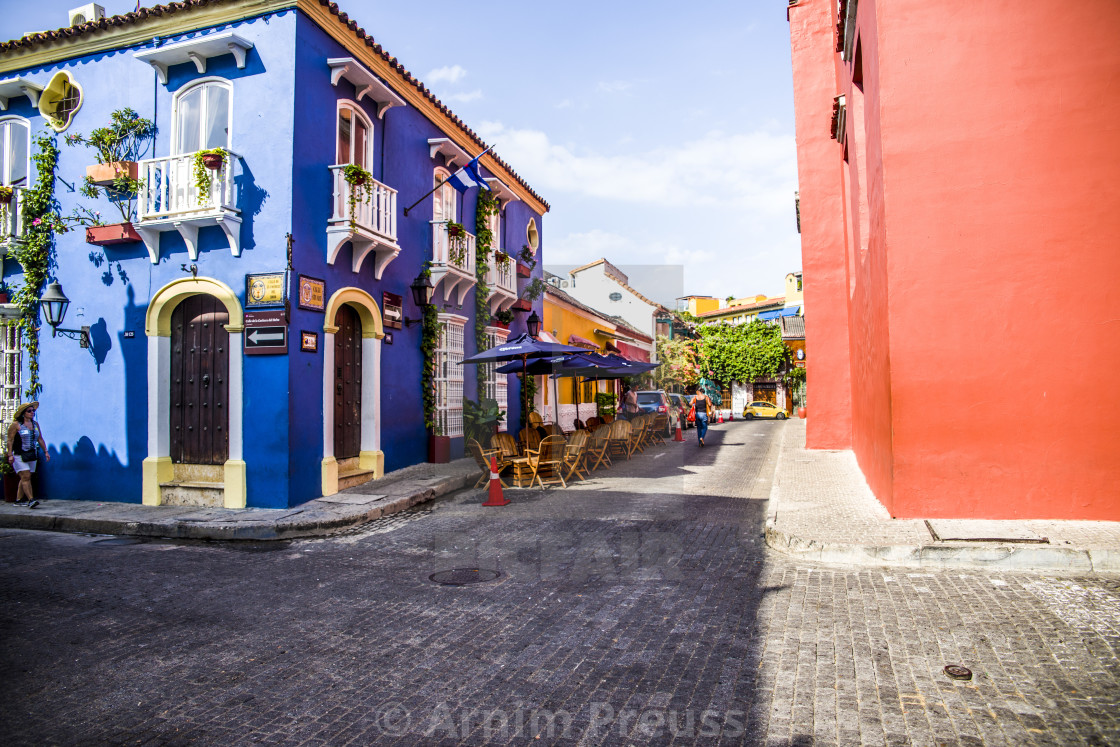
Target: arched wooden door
x: 199, y: 382
x: 347, y: 384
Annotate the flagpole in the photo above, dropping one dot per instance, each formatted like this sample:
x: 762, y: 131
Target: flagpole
x: 433, y: 189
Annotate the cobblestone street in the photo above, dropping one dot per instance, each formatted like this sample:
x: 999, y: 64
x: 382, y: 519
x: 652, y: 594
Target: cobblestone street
x: 640, y: 607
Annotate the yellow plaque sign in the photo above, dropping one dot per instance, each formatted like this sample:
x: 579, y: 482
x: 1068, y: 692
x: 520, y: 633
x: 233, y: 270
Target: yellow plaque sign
x: 266, y: 289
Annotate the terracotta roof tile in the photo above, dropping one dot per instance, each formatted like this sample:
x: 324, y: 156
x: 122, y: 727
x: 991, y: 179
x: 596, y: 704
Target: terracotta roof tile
x: 126, y: 19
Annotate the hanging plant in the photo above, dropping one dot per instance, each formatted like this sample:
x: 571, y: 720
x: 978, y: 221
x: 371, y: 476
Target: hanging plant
x: 533, y: 290
x: 486, y: 207
x: 502, y: 259
x: 34, y: 252
x: 361, y: 187
x: 205, y: 163
x: 429, y: 342
x: 6, y: 195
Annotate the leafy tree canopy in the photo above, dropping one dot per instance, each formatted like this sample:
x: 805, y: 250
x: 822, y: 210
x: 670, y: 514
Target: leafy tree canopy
x: 742, y: 352
x: 680, y: 365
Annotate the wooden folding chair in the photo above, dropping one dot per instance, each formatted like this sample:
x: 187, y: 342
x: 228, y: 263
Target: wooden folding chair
x: 574, y: 455
x: 529, y: 439
x: 482, y: 458
x: 547, y: 462
x: 638, y: 427
x: 619, y: 438
x: 597, y: 450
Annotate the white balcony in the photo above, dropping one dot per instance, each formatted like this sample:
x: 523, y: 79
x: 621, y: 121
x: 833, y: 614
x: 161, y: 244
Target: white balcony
x: 452, y: 262
x: 171, y: 201
x: 502, y: 281
x: 372, y: 228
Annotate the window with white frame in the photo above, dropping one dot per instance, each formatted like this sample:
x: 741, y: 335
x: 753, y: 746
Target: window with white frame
x: 443, y: 199
x: 11, y: 366
x: 497, y: 385
x: 448, y: 379
x: 14, y: 145
x: 202, y: 117
x: 354, y: 136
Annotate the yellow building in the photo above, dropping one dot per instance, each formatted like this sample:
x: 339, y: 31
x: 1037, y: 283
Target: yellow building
x: 570, y: 322
x: 697, y: 305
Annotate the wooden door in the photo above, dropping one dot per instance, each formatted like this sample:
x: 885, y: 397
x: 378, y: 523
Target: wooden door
x: 347, y: 384
x: 199, y: 382
x: 766, y: 393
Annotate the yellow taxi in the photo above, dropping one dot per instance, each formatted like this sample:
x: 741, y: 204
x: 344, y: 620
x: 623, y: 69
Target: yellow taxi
x: 763, y: 410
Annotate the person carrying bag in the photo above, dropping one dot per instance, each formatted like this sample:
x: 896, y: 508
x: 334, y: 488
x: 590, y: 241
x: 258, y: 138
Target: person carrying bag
x: 25, y: 444
x: 701, y: 406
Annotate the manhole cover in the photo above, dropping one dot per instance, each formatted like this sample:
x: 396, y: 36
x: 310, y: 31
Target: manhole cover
x: 120, y: 541
x: 957, y: 672
x: 464, y: 576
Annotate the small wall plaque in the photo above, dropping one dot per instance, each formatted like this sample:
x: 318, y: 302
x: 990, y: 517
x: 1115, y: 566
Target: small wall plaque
x: 264, y: 289
x: 309, y: 342
x: 312, y: 293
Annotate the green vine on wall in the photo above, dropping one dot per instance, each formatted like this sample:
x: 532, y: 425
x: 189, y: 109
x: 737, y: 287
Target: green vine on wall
x: 484, y: 241
x: 34, y: 252
x: 429, y: 342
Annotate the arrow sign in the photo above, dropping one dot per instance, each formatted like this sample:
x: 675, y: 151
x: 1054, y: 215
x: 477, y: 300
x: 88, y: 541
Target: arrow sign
x: 272, y: 339
x: 258, y: 336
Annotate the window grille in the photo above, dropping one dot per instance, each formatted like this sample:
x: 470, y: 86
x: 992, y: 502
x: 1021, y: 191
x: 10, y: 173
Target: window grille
x: 449, y: 378
x: 497, y: 385
x: 11, y: 358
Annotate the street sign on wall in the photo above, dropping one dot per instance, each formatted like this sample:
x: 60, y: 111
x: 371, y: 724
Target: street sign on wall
x: 266, y: 332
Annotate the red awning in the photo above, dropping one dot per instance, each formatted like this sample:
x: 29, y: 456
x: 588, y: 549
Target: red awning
x: 633, y: 352
x: 611, y: 347
x: 583, y: 342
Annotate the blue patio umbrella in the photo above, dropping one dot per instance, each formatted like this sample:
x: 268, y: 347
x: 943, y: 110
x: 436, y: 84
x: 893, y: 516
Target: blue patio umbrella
x: 522, y: 348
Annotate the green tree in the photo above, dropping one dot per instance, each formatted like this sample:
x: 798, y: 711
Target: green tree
x: 742, y: 352
x: 680, y: 365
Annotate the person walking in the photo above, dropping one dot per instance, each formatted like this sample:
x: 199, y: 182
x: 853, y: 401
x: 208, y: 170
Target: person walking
x: 702, y: 403
x: 629, y: 403
x: 25, y: 443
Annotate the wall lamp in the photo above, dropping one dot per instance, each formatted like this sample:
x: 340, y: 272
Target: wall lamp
x: 422, y: 292
x: 533, y: 325
x: 55, y: 303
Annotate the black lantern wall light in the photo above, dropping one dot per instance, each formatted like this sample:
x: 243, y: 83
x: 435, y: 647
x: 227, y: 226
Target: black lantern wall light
x: 422, y: 291
x: 54, y: 303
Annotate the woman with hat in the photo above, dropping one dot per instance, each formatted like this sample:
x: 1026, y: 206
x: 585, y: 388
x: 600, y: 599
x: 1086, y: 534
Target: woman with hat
x: 25, y: 443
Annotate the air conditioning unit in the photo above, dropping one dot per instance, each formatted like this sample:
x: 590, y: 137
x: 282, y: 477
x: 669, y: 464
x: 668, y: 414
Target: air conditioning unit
x: 563, y: 283
x: 86, y: 13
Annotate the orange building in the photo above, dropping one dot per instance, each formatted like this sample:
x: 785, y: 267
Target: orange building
x: 959, y: 171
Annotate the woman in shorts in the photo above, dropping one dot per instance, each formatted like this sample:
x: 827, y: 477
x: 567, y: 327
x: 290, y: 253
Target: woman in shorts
x: 25, y: 444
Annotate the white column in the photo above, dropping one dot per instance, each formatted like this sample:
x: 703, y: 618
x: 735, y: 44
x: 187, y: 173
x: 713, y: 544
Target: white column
x: 236, y: 397
x: 328, y: 395
x: 159, y: 396
x: 371, y: 394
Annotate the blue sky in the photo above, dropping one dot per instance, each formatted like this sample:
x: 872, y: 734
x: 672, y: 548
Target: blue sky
x: 659, y: 132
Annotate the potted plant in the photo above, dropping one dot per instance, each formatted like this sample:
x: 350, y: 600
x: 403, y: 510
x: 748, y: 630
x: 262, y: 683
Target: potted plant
x: 455, y: 230
x: 533, y: 290
x: 503, y: 318
x: 5, y: 292
x: 481, y: 419
x: 605, y: 405
x: 520, y: 306
x: 502, y: 259
x: 526, y: 262
x: 116, y: 147
x: 439, y: 447
x: 6, y: 195
x: 206, y: 162
x: 361, y: 186
x: 457, y: 243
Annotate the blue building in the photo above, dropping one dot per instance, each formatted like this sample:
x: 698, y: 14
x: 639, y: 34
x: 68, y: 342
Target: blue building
x: 250, y: 334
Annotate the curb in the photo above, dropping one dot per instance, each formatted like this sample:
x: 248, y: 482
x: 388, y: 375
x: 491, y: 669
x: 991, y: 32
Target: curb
x: 1008, y: 557
x: 319, y: 523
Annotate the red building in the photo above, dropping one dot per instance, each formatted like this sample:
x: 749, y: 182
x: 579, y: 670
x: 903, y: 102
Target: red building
x: 959, y: 169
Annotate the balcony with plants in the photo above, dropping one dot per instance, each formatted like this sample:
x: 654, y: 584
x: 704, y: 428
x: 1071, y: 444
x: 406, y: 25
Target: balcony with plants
x: 501, y: 279
x: 364, y: 213
x: 186, y: 192
x: 453, y: 260
x: 11, y: 217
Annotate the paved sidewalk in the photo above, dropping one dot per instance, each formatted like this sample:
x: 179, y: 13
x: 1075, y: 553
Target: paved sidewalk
x: 822, y: 509
x: 395, y: 492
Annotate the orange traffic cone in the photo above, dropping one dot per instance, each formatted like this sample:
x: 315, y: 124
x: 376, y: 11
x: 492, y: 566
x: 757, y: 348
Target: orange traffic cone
x: 731, y: 414
x: 496, y: 498
x: 678, y: 436
x: 721, y: 417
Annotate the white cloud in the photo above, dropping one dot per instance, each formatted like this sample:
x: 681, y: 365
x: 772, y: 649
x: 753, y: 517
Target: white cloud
x: 755, y: 171
x: 462, y: 98
x: 451, y: 74
x: 613, y: 86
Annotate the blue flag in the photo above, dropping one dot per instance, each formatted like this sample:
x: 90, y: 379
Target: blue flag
x: 468, y: 176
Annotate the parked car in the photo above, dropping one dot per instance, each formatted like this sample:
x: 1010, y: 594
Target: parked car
x: 763, y: 410
x: 681, y: 403
x: 655, y: 401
